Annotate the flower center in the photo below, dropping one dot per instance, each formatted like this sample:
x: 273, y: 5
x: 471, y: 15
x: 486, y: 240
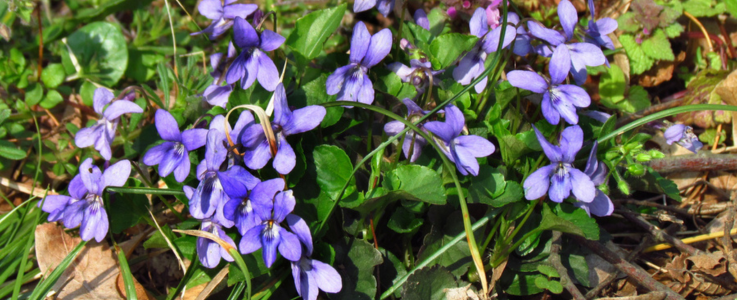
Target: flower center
x: 561, y: 170
x: 271, y: 231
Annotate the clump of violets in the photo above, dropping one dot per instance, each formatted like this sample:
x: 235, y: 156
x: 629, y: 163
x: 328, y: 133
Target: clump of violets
x: 222, y: 14
x: 601, y: 206
x: 84, y: 204
x: 684, y: 136
x: 560, y: 177
x: 272, y: 206
x: 559, y: 100
x: 173, y: 155
x: 581, y: 54
x: 413, y: 142
x: 472, y: 64
x: 101, y: 134
x: 384, y: 6
x: 253, y: 62
x: 460, y: 149
x: 259, y: 150
x: 351, y: 82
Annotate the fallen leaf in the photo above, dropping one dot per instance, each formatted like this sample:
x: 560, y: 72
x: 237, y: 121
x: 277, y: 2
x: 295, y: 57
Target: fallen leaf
x: 714, y: 263
x: 461, y: 293
x: 92, y: 274
x: 661, y: 72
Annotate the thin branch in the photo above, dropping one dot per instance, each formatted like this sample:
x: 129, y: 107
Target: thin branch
x: 659, y: 234
x: 554, y: 258
x: 637, y: 274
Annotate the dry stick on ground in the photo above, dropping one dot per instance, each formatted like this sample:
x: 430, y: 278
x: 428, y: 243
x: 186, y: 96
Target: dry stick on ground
x: 676, y: 210
x: 637, y: 274
x: 668, y: 102
x: 686, y: 163
x: 649, y: 296
x: 659, y: 234
x: 634, y: 253
x: 554, y: 258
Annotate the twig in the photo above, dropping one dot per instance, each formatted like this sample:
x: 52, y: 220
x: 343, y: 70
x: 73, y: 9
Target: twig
x: 554, y: 259
x: 659, y: 234
x: 606, y: 282
x: 693, y: 163
x: 691, y: 240
x: 649, y: 296
x: 679, y: 211
x: 668, y: 102
x: 701, y: 27
x: 637, y: 274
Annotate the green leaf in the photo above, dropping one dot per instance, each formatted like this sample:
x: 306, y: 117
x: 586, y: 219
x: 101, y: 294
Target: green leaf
x: 612, y: 86
x: 448, y: 47
x: 522, y: 284
x: 391, y: 270
x: 704, y: 8
x: 419, y: 183
x: 658, y: 46
x: 457, y: 258
x: 639, y: 61
x: 487, y: 186
x: 311, y: 31
x: 357, y: 272
x: 403, y: 221
x: 34, y: 94
x: 627, y: 22
x: 428, y: 283
x: 731, y: 6
x: 10, y: 151
x: 17, y: 58
x: 127, y: 209
x: 334, y: 170
x: 53, y: 75
x: 548, y: 271
x: 101, y: 50
x: 551, y: 221
x: 668, y: 186
x: 52, y: 99
x: 579, y: 218
x: 555, y: 287
x: 314, y: 93
x: 674, y: 30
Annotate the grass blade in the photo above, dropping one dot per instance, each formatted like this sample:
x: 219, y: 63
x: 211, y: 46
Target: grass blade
x: 130, y: 286
x: 43, y: 288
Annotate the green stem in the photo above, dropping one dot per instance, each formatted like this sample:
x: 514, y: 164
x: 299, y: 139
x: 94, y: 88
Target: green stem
x: 143, y: 191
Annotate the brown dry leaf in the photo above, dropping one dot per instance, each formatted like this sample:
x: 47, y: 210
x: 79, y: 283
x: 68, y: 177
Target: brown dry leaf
x: 677, y: 268
x: 714, y: 263
x: 661, y: 72
x: 461, y: 293
x: 90, y: 276
x: 725, y: 182
x: 192, y: 293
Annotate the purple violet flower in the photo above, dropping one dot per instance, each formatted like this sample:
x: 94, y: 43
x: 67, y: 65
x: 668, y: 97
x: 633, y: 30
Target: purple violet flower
x: 217, y: 187
x: 351, y: 82
x: 421, y: 19
x: 472, y: 64
x: 222, y: 15
x: 243, y: 210
x: 559, y: 100
x: 84, y: 204
x: 460, y: 149
x: 384, y: 6
x: 411, y: 138
x: 311, y: 275
x: 173, y: 155
x: 560, y: 177
x: 684, y: 136
x: 253, y: 62
x: 602, y: 206
x: 101, y: 134
x: 418, y: 73
x: 597, y: 32
x: 272, y: 205
x: 286, y: 122
x: 581, y: 54
x: 210, y: 251
x: 217, y: 94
